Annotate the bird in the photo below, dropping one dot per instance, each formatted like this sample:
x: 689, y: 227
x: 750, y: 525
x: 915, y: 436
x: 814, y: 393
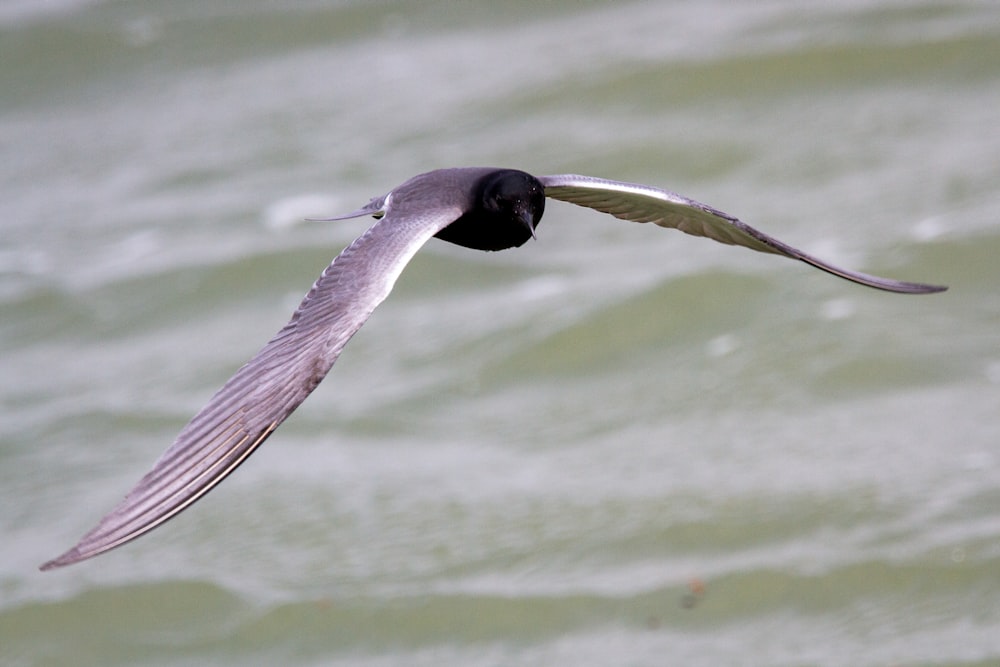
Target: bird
x: 482, y: 208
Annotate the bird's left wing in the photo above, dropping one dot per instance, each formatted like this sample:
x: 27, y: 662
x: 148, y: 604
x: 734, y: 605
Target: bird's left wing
x: 642, y: 203
x: 247, y: 409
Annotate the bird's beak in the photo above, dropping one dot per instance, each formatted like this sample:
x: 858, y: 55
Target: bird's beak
x: 529, y: 221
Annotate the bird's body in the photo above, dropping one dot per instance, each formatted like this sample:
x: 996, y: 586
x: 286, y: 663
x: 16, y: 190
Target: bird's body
x: 479, y: 208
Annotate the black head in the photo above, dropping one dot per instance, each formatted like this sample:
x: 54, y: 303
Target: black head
x: 504, y: 210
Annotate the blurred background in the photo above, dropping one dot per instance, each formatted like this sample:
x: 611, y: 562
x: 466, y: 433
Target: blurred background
x: 618, y: 445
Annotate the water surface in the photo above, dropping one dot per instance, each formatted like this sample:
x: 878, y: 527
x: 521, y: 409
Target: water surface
x: 618, y: 445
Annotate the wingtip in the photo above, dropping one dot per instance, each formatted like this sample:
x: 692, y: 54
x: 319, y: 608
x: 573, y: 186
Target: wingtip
x: 82, y: 550
x: 68, y: 558
x: 901, y: 287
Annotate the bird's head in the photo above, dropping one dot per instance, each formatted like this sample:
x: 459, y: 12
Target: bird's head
x: 504, y: 210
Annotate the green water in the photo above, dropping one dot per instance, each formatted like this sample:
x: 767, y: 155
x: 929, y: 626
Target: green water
x: 618, y: 445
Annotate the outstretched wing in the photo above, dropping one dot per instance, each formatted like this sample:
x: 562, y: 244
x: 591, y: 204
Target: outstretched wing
x: 642, y: 203
x: 261, y: 395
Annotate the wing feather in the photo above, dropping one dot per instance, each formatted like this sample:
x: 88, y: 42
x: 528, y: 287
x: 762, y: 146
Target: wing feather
x: 642, y: 203
x: 265, y: 391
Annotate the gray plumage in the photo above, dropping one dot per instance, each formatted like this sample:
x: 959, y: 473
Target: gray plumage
x: 482, y: 208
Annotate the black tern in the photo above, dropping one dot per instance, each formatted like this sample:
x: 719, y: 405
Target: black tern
x: 480, y: 208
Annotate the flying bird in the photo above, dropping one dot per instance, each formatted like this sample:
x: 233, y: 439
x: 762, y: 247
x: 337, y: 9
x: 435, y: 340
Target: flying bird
x: 479, y: 208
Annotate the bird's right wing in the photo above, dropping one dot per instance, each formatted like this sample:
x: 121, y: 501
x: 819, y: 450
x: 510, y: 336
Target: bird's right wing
x: 265, y: 391
x: 642, y: 203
